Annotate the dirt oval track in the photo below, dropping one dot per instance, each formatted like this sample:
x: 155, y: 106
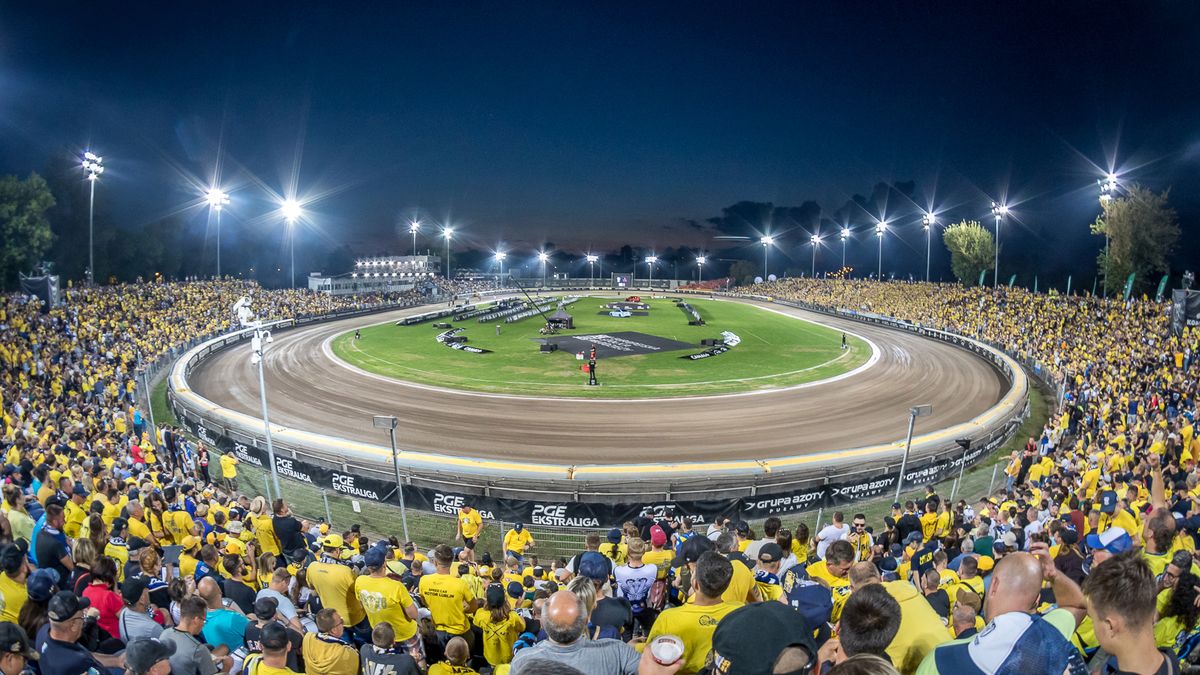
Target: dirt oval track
x: 310, y: 390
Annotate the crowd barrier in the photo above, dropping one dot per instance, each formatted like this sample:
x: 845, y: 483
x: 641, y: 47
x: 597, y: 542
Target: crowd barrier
x: 561, y: 498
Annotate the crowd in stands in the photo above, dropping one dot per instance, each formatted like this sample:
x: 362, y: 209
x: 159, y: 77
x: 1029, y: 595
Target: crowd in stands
x: 119, y: 554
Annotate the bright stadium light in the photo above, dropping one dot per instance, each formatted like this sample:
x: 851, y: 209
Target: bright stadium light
x: 1000, y: 211
x: 880, y: 230
x: 543, y: 257
x: 651, y: 261
x: 1108, y: 189
x: 767, y: 241
x: 845, y: 238
x: 447, y: 233
x: 592, y: 259
x: 700, y: 260
x: 217, y: 199
x: 291, y: 213
x: 500, y: 256
x: 816, y: 242
x: 928, y: 221
x: 93, y: 166
x: 414, y: 227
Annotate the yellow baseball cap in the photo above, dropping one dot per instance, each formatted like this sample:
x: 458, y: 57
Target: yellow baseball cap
x: 189, y: 542
x: 332, y: 541
x: 986, y: 563
x: 234, y: 547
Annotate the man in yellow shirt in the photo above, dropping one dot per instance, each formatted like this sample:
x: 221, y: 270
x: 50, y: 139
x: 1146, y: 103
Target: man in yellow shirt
x: 449, y: 599
x: 75, y: 512
x: 470, y: 527
x: 516, y: 541
x: 833, y: 570
x: 385, y: 599
x: 229, y: 471
x: 695, y: 622
x: 333, y: 582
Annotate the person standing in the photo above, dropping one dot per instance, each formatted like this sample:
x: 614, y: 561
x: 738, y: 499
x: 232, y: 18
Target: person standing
x: 469, y: 528
x: 696, y: 621
x: 516, y: 541
x: 229, y: 471
x: 386, y: 600
x: 448, y: 598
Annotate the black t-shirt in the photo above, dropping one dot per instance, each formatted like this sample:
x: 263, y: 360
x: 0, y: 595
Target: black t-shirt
x: 907, y: 524
x: 287, y: 530
x: 241, y: 595
x: 253, y: 637
x: 940, y: 602
x: 51, y: 551
x: 63, y: 658
x: 615, y: 612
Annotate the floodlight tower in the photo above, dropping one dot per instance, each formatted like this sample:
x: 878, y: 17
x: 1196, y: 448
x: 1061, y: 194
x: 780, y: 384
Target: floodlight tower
x: 413, y: 228
x: 700, y: 260
x: 591, y: 260
x: 651, y: 261
x: 500, y: 256
x: 447, y: 232
x: 998, y: 210
x: 880, y: 230
x: 93, y: 166
x: 845, y: 237
x: 217, y: 199
x: 291, y: 213
x: 543, y: 257
x: 766, y: 241
x: 1108, y: 188
x: 927, y: 221
x: 816, y: 241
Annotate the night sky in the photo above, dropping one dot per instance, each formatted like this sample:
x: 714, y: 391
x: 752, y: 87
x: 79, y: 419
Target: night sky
x: 598, y: 124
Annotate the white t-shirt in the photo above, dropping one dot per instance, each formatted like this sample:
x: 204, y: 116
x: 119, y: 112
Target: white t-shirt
x: 828, y: 535
x: 752, y: 550
x: 634, y: 584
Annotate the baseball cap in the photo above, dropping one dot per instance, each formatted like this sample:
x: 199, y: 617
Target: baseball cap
x: 593, y: 566
x: 13, y: 640
x: 234, y: 547
x: 614, y: 536
x: 742, y: 527
x: 495, y: 595
x: 658, y: 536
x: 1108, y: 501
x: 65, y: 605
x: 265, y: 608
x: 1114, y: 540
x: 80, y: 490
x: 142, y: 654
x: 1010, y: 540
x: 518, y: 526
x: 274, y: 636
x: 770, y: 552
x: 515, y: 589
x: 42, y: 584
x: 749, y: 640
x: 692, y: 549
x: 375, y: 556
x: 912, y: 538
x: 332, y: 541
x: 131, y: 590
x: 896, y: 550
x: 190, y: 542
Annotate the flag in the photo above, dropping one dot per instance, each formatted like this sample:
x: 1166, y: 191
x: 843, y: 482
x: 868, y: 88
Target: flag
x: 1162, y: 288
x: 1129, y: 285
x: 1012, y: 280
x: 1035, y: 284
x: 1068, y: 284
x: 982, y: 273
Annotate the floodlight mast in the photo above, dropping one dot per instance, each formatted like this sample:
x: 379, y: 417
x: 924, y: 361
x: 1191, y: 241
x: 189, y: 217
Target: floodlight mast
x: 93, y: 166
x: 999, y: 210
x: 766, y: 241
x: 928, y: 221
x: 258, y: 344
x: 880, y: 230
x: 217, y: 198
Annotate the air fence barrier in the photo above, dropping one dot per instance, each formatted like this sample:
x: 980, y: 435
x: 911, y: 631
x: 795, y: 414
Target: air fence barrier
x: 559, y: 510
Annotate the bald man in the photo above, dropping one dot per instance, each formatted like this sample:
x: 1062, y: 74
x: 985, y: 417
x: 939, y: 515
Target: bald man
x: 921, y: 629
x: 1015, y: 634
x: 223, y: 627
x: 565, y: 620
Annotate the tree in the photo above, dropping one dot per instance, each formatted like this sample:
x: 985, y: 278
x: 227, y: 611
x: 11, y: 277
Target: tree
x: 743, y: 272
x: 24, y: 229
x: 1142, y: 231
x: 972, y: 250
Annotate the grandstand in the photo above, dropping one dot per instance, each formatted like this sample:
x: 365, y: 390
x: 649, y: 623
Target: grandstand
x: 1092, y: 522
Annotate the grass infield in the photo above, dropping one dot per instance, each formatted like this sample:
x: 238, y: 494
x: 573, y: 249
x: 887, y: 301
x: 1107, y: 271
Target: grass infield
x: 775, y: 351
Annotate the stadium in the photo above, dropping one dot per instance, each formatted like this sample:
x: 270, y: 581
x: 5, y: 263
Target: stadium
x: 588, y: 352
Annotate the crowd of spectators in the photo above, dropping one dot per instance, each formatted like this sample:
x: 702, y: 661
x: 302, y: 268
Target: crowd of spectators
x: 118, y: 553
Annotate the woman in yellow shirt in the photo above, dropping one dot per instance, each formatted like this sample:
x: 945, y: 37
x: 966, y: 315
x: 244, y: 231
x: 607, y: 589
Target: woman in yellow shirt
x: 500, y: 626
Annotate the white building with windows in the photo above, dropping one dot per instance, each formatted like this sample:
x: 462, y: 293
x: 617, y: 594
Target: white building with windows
x: 387, y: 274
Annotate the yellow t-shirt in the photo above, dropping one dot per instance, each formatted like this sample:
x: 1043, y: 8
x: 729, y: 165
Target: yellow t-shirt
x: 470, y: 523
x: 139, y: 529
x: 229, y: 466
x: 498, y: 636
x: 517, y: 541
x: 264, y: 533
x: 618, y: 553
x: 334, y: 584
x: 661, y: 558
x: 13, y: 596
x: 446, y: 668
x: 446, y: 596
x: 187, y: 566
x: 839, y: 587
x: 740, y: 584
x: 694, y: 625
x: 384, y: 599
x: 928, y: 525
x: 75, y: 515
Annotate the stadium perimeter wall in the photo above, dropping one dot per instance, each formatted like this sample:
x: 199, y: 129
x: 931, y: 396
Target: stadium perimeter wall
x: 555, y: 500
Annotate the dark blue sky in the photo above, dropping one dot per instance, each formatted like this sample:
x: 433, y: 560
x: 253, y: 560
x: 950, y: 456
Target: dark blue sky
x: 603, y: 122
